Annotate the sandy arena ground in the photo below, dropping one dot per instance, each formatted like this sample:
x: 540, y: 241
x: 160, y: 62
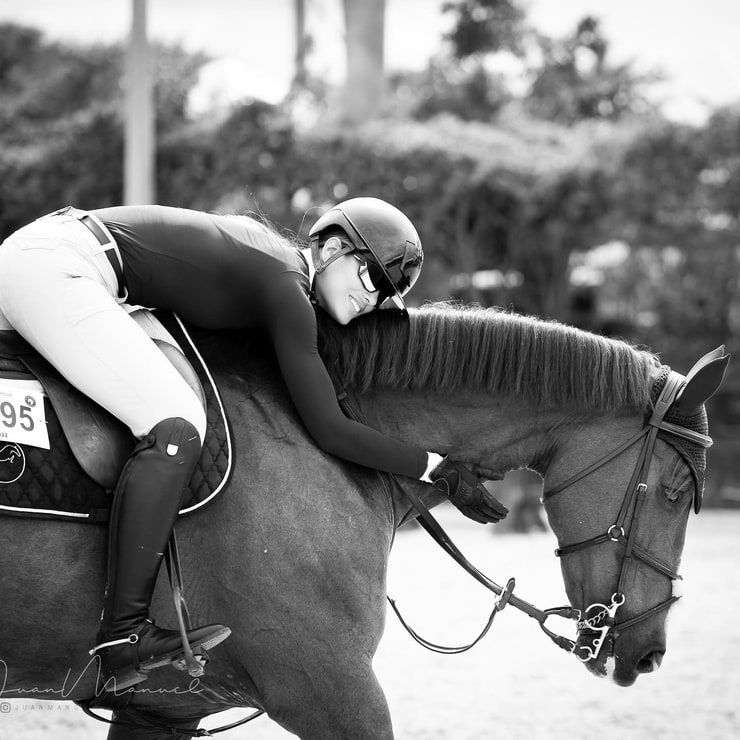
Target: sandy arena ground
x: 516, y: 684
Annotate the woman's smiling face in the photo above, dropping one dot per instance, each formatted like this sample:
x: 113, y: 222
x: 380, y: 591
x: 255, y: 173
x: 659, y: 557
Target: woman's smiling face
x: 339, y: 289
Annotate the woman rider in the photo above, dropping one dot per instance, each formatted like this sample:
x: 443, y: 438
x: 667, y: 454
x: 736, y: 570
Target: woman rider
x: 63, y: 279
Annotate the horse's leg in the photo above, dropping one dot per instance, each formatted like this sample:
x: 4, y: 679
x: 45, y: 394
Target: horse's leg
x: 137, y: 725
x: 334, y: 702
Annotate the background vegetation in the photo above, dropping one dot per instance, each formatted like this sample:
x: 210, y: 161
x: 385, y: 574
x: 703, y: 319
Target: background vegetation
x: 570, y: 197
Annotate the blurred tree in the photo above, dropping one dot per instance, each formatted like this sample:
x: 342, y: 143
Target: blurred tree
x: 43, y: 83
x: 59, y: 127
x: 671, y: 197
x: 245, y: 162
x: 575, y: 81
x: 500, y: 208
x: 458, y: 81
x: 721, y: 176
x: 365, y: 84
x: 570, y: 79
x: 175, y: 75
x: 308, y: 96
x: 468, y: 92
x: 486, y: 26
x: 19, y: 43
x: 61, y: 121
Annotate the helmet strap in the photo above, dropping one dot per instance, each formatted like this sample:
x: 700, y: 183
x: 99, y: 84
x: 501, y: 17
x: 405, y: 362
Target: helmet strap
x: 321, y: 265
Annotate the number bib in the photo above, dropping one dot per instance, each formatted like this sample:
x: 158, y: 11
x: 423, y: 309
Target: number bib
x: 22, y: 417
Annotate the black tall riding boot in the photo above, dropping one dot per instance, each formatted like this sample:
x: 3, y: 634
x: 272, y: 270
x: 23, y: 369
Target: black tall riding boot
x: 145, y: 507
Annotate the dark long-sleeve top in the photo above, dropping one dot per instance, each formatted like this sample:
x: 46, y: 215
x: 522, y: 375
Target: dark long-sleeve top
x: 224, y: 272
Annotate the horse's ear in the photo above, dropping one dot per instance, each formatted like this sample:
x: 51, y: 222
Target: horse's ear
x: 703, y: 380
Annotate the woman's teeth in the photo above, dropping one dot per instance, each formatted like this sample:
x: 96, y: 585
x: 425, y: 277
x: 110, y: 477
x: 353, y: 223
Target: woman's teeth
x: 355, y: 304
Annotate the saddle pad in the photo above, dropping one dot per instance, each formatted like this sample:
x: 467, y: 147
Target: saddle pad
x: 50, y: 484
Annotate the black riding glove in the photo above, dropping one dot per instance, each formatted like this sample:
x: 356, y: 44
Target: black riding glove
x: 463, y: 487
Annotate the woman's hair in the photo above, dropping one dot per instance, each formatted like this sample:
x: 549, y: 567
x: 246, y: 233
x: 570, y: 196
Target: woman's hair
x: 271, y: 229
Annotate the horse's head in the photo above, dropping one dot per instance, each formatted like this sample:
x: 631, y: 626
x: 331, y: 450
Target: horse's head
x: 630, y: 485
x: 619, y: 439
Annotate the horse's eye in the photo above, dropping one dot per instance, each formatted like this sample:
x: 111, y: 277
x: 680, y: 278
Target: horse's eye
x: 672, y: 494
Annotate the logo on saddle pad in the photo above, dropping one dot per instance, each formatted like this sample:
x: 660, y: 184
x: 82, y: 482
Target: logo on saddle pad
x: 12, y: 462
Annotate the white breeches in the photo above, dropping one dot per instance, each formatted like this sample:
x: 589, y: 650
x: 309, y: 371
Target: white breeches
x: 58, y: 291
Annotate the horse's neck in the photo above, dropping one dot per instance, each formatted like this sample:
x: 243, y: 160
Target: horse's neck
x: 500, y: 434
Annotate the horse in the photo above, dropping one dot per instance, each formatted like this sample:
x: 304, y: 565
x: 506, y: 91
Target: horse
x: 293, y: 555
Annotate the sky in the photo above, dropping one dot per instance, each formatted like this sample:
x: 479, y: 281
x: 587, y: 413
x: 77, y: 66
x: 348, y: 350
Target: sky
x: 694, y: 44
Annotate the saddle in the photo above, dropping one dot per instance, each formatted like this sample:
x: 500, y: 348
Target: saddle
x: 73, y: 479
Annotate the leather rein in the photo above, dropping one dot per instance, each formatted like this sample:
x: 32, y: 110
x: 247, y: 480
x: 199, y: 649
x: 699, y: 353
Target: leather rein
x: 595, y: 622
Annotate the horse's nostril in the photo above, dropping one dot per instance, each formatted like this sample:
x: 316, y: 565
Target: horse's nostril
x: 650, y: 661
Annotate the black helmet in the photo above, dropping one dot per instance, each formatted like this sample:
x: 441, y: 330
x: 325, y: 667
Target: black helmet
x: 380, y: 229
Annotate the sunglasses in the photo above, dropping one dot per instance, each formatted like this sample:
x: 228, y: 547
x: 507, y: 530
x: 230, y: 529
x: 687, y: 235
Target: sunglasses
x: 373, y: 279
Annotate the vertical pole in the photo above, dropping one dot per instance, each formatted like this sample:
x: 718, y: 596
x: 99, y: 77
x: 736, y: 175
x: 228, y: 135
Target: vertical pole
x: 138, y: 170
x: 299, y: 77
x: 365, y: 84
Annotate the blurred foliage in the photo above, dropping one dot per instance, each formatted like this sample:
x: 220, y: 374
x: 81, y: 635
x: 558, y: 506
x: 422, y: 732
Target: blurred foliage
x: 572, y: 200
x: 483, y: 26
x: 569, y: 79
x: 61, y: 125
x: 575, y: 79
x: 477, y: 194
x: 467, y: 91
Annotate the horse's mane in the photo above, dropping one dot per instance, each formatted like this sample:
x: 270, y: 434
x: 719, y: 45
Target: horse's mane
x: 446, y: 347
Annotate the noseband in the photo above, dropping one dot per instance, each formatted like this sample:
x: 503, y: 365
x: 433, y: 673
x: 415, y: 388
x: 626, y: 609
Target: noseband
x: 595, y: 622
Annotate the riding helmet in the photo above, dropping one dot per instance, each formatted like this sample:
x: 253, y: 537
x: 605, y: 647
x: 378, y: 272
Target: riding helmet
x: 383, y: 234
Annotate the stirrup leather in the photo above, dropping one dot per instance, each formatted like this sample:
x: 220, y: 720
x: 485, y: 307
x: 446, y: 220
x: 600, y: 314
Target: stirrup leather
x: 192, y: 661
x: 194, y: 664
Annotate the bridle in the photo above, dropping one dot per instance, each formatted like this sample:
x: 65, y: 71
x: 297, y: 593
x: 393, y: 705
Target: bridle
x: 596, y: 621
x: 599, y: 619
